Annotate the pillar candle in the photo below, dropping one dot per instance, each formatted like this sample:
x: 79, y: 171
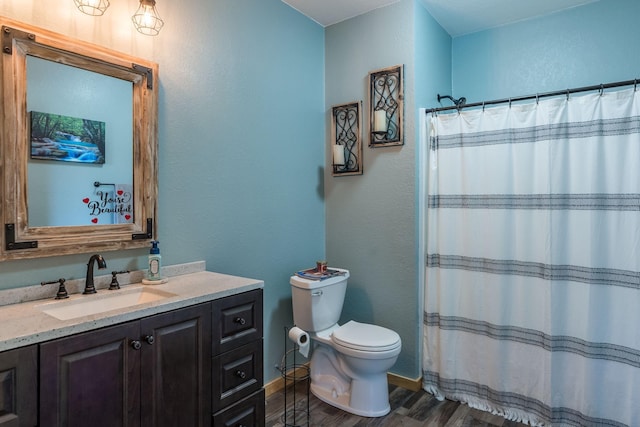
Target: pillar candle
x: 338, y: 154
x: 379, y: 121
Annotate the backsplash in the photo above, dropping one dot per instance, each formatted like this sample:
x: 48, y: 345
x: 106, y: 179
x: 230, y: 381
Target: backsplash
x: 37, y: 292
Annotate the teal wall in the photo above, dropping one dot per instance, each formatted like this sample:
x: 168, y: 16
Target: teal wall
x: 241, y: 141
x: 242, y: 120
x: 583, y: 46
x: 372, y: 218
x: 432, y: 58
x: 432, y: 52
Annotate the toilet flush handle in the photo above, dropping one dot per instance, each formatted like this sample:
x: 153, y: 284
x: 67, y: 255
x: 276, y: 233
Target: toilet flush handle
x: 316, y: 293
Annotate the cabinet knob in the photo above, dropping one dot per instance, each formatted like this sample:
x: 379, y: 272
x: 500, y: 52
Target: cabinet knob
x: 241, y: 374
x: 149, y: 339
x: 135, y: 344
x: 240, y: 320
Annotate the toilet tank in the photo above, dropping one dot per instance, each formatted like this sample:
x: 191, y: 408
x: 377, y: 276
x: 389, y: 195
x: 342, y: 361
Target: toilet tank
x: 317, y: 304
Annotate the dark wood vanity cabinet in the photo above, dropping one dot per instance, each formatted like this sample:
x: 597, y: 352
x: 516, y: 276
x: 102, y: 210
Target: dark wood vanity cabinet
x: 151, y: 372
x: 238, y: 396
x: 197, y: 366
x: 19, y: 387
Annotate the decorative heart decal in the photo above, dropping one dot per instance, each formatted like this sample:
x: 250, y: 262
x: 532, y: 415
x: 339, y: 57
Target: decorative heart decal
x: 127, y: 217
x: 94, y: 220
x: 85, y: 200
x: 120, y: 192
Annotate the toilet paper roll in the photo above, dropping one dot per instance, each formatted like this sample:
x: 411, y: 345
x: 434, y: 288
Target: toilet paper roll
x: 301, y: 338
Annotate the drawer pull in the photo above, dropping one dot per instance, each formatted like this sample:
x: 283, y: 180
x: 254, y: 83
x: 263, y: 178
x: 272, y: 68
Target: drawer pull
x: 149, y: 339
x: 240, y: 320
x: 241, y: 374
x: 135, y: 344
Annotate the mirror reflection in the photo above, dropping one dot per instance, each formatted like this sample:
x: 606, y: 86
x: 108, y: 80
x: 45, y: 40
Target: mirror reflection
x: 80, y: 169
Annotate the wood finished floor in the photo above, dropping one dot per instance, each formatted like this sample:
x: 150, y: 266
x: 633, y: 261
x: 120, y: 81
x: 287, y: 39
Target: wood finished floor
x: 411, y: 409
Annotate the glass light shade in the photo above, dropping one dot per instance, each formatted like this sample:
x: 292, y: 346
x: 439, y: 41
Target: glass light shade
x: 92, y: 7
x: 146, y: 19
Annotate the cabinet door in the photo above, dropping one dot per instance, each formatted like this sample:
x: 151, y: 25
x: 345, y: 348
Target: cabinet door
x: 19, y: 387
x: 91, y: 378
x: 176, y: 368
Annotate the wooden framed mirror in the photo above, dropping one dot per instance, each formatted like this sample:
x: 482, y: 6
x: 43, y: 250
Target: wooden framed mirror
x: 78, y: 147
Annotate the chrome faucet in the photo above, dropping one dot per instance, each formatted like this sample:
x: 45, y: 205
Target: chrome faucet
x: 89, y: 287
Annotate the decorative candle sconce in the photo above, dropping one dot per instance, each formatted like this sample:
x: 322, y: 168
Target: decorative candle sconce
x: 386, y: 107
x: 346, y: 142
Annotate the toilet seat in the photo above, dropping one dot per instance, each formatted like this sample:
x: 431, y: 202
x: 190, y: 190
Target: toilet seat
x: 364, y: 337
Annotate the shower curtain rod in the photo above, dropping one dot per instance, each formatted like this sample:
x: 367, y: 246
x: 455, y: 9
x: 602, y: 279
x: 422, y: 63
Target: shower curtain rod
x: 537, y: 96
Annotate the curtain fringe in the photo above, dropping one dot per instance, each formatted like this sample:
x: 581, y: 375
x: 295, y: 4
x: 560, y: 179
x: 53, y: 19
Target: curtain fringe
x: 510, y: 414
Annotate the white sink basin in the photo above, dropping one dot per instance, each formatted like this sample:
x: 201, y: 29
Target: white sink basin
x: 105, y: 300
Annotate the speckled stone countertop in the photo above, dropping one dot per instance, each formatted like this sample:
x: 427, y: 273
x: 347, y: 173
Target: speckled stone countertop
x: 25, y: 323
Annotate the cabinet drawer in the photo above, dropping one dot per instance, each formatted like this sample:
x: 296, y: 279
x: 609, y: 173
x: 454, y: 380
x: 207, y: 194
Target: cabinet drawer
x: 247, y: 412
x: 237, y: 320
x: 237, y: 374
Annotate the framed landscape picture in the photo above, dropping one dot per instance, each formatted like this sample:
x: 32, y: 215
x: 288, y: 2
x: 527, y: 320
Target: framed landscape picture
x: 67, y: 139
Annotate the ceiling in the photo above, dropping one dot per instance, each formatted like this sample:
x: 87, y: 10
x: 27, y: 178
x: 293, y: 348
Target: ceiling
x: 457, y: 17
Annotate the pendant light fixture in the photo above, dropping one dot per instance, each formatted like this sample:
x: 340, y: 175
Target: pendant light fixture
x: 146, y: 19
x: 92, y: 7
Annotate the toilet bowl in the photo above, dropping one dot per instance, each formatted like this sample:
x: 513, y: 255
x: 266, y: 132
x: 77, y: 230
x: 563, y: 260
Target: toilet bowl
x: 349, y: 367
x: 349, y: 363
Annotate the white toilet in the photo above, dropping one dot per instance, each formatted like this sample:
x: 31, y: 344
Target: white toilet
x: 349, y: 363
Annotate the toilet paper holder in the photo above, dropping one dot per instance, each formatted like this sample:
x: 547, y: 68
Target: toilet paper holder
x: 297, y: 381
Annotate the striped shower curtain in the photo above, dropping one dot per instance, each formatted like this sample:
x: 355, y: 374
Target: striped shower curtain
x: 532, y: 293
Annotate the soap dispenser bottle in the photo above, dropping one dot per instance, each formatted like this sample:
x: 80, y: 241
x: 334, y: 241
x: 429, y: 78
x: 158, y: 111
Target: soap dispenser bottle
x: 155, y: 262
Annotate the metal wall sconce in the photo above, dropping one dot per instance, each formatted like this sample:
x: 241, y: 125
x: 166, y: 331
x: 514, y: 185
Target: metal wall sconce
x: 146, y: 19
x: 386, y: 106
x: 346, y: 141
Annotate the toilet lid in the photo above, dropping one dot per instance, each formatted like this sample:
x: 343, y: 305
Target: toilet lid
x: 366, y: 337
